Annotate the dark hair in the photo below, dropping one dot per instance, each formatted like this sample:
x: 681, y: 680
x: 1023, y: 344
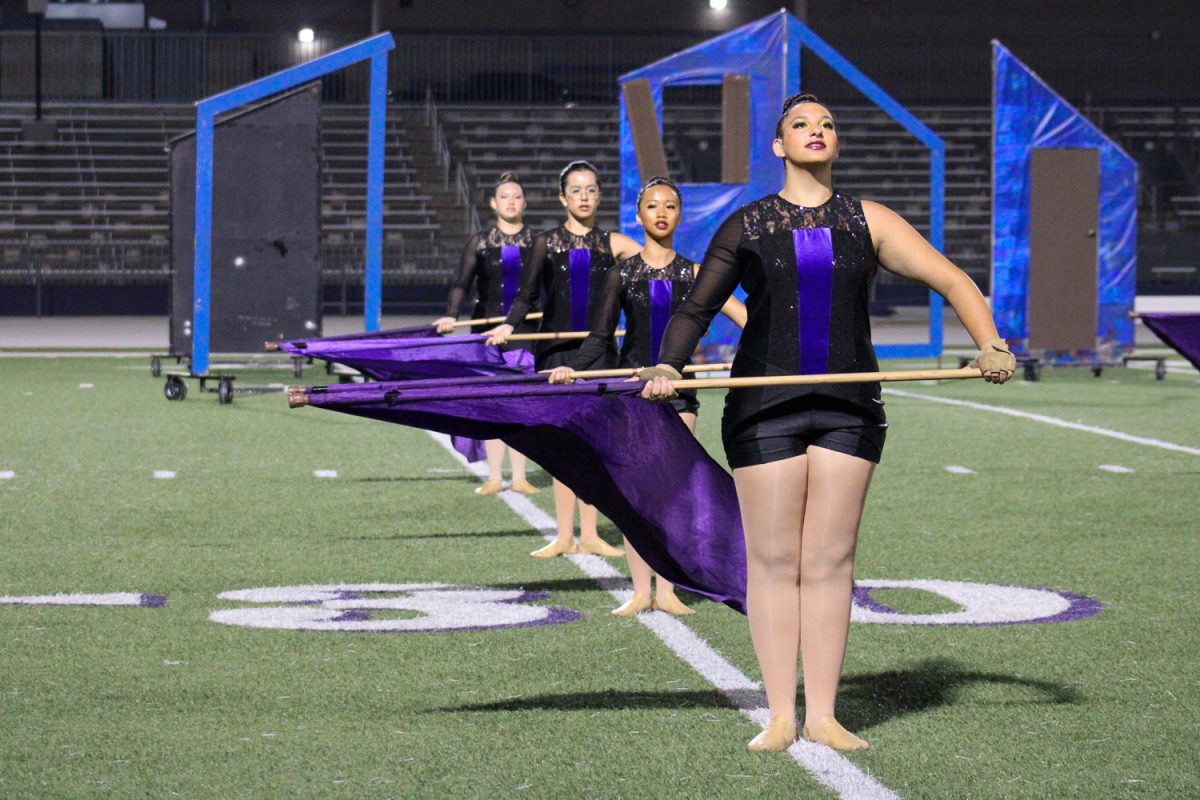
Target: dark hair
x: 788, y: 105
x: 576, y: 166
x: 505, y: 177
x: 658, y: 180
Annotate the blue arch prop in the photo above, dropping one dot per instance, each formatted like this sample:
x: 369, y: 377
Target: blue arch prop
x: 1027, y: 113
x: 375, y: 49
x: 768, y: 51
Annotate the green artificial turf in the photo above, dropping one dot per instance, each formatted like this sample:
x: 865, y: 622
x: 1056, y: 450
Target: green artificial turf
x: 163, y: 702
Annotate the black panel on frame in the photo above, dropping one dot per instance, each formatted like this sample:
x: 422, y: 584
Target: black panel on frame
x: 266, y: 269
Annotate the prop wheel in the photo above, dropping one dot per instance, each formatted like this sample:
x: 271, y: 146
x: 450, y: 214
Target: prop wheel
x: 298, y: 367
x: 155, y: 366
x: 1097, y: 371
x: 1160, y: 370
x: 1033, y: 371
x: 175, y: 388
x: 224, y: 391
x: 963, y: 363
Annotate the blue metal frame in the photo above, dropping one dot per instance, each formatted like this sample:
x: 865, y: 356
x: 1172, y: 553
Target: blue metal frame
x: 708, y: 204
x: 376, y: 49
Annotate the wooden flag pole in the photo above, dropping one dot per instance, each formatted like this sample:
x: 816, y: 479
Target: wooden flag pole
x: 837, y: 377
x: 540, y: 337
x: 628, y: 373
x: 493, y: 320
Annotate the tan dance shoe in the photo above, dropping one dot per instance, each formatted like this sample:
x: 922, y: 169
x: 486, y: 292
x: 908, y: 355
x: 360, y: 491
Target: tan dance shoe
x: 490, y: 487
x: 829, y: 732
x: 524, y: 487
x: 635, y: 605
x: 778, y: 735
x: 599, y: 547
x: 671, y: 604
x: 555, y: 548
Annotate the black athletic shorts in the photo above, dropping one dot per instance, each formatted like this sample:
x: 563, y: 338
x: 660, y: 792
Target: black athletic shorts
x: 789, y: 429
x: 686, y: 402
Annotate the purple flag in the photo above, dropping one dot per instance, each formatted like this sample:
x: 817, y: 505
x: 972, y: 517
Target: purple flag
x: 422, y: 357
x: 425, y: 357
x: 635, y: 461
x: 299, y: 347
x: 1180, y: 331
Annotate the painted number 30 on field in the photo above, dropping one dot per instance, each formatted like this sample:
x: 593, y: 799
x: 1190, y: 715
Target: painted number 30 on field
x: 390, y: 608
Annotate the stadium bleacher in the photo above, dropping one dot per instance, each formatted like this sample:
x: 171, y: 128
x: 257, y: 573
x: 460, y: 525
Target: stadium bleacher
x: 93, y: 206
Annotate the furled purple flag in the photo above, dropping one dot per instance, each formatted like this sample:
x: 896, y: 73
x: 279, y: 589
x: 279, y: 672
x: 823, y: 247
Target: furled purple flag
x: 635, y: 461
x: 1180, y: 331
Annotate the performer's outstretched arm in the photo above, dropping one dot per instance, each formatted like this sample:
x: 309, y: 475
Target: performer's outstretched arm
x: 904, y: 251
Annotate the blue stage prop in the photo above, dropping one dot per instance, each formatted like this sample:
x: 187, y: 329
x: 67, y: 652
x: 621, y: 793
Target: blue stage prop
x: 375, y: 49
x: 1028, y: 114
x: 768, y: 52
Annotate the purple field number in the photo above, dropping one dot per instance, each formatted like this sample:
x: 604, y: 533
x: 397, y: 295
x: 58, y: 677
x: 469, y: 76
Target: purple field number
x: 979, y: 604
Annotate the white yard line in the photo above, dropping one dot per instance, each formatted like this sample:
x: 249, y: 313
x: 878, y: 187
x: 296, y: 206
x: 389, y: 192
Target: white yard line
x: 826, y: 765
x: 1061, y: 423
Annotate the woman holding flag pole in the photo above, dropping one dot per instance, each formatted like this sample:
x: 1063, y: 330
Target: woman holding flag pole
x: 492, y: 260
x: 803, y: 455
x: 647, y: 287
x: 565, y: 271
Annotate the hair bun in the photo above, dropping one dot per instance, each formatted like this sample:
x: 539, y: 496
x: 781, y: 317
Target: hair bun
x: 508, y: 177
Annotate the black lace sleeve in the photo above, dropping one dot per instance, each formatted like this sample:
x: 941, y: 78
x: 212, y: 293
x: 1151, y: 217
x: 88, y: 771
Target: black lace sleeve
x: 466, y: 274
x: 531, y: 281
x: 719, y: 275
x: 606, y: 312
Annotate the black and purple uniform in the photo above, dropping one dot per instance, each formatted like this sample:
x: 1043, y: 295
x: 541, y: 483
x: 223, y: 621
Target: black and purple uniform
x: 565, y: 272
x: 807, y: 274
x: 648, y: 296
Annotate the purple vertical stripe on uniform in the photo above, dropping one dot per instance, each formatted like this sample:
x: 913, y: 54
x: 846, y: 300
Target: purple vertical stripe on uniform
x: 510, y: 275
x: 580, y: 277
x: 660, y: 313
x: 814, y: 296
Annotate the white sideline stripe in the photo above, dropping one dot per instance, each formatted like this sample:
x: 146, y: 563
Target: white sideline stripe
x: 87, y: 386
x: 957, y: 470
x: 1117, y: 468
x: 164, y: 474
x: 7, y: 474
x: 324, y: 473
x: 830, y: 769
x: 1061, y: 423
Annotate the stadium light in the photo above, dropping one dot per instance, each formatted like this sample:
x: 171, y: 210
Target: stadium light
x: 306, y: 35
x: 718, y: 5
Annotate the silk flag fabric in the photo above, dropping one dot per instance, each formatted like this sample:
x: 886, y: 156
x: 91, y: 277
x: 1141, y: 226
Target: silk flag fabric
x: 297, y: 347
x: 418, y: 353
x: 635, y: 461
x: 1180, y: 331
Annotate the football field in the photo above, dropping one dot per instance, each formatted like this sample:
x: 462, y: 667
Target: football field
x: 265, y: 602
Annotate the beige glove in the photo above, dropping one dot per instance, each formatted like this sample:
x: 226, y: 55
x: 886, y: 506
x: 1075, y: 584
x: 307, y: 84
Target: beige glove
x: 662, y: 370
x: 995, y: 361
x: 658, y: 387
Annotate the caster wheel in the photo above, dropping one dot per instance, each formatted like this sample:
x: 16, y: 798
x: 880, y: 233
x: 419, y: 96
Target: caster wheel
x: 297, y: 367
x: 175, y: 388
x: 1160, y: 370
x: 155, y: 366
x: 963, y: 363
x: 1033, y: 371
x: 224, y: 392
x: 1097, y: 372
